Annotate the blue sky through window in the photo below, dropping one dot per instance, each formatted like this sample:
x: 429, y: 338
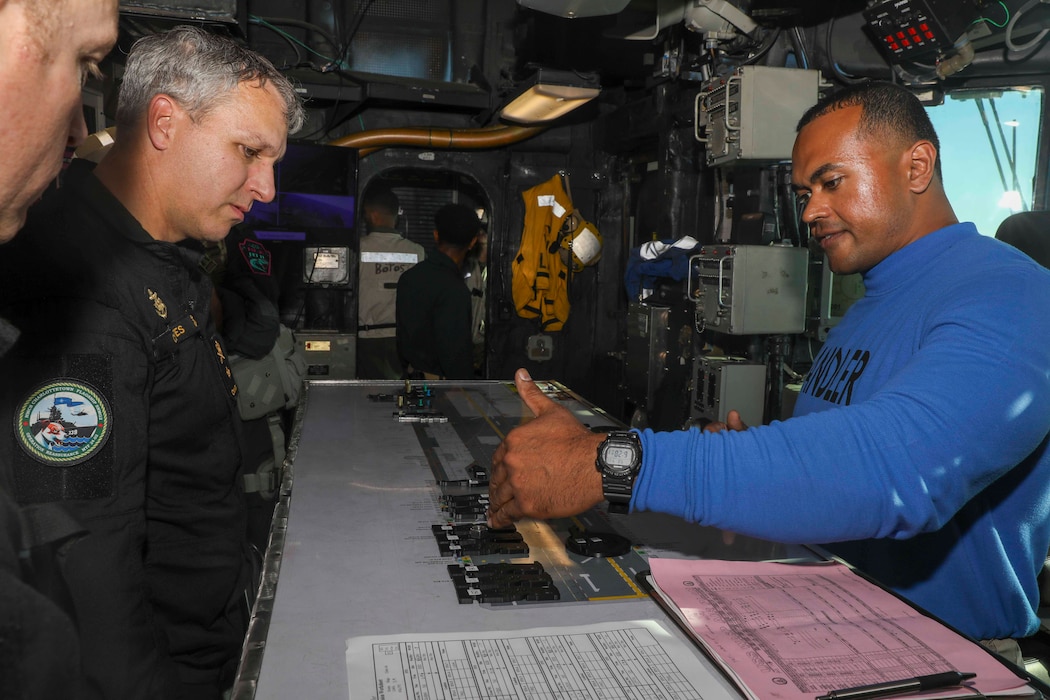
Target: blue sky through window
x: 989, y: 144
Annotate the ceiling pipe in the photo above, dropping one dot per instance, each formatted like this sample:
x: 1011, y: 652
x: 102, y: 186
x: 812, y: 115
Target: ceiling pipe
x: 437, y: 137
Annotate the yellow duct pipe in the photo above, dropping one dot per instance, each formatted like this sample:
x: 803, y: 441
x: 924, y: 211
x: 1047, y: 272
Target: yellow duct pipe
x: 435, y: 137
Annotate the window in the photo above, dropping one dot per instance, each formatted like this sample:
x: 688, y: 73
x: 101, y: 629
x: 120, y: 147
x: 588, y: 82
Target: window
x: 989, y: 144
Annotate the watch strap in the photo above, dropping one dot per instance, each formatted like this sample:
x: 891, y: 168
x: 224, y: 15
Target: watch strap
x: 618, y: 490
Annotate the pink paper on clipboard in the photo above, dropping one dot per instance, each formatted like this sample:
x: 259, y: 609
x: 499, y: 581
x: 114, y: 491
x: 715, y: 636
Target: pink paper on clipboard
x: 796, y: 631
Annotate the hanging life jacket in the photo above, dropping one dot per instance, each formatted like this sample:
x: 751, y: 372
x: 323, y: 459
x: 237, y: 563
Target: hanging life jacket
x: 539, y: 276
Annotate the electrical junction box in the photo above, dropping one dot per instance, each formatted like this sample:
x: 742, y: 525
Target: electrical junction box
x: 750, y: 289
x: 326, y: 265
x: 724, y: 384
x: 329, y: 355
x: 837, y: 294
x: 656, y: 335
x: 750, y: 116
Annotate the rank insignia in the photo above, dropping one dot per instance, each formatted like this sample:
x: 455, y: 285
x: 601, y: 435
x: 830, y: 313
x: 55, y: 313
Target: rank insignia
x: 63, y: 422
x: 158, y: 304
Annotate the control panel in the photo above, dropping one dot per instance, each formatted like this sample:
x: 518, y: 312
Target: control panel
x: 908, y: 30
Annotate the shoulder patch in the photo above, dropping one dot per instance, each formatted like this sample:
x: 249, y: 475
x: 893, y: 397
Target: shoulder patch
x: 63, y: 422
x: 256, y: 255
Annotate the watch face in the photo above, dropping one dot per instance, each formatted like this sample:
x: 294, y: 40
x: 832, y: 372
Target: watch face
x: 619, y: 456
x: 618, y: 459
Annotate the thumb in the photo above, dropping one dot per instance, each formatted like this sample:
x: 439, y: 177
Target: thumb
x: 735, y: 422
x: 531, y: 394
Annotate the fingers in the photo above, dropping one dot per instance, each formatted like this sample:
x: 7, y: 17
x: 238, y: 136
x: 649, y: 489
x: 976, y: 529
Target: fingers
x: 531, y: 394
x: 503, y: 510
x: 503, y: 515
x: 497, y: 479
x: 735, y: 422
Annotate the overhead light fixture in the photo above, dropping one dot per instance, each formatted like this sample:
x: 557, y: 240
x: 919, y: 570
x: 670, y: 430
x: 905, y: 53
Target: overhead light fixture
x: 550, y: 94
x: 576, y: 8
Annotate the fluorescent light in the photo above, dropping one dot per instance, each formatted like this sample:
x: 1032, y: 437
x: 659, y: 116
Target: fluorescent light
x: 551, y: 94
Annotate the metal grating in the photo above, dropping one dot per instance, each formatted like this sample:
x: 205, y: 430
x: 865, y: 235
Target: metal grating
x: 424, y: 57
x: 415, y: 10
x: 403, y: 38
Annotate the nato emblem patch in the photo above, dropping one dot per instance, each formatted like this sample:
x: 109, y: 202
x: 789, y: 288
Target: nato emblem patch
x: 63, y: 422
x: 256, y: 255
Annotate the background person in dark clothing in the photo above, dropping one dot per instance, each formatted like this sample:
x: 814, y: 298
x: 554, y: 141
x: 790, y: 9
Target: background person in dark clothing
x: 266, y: 364
x: 433, y: 302
x: 45, y: 50
x: 121, y: 385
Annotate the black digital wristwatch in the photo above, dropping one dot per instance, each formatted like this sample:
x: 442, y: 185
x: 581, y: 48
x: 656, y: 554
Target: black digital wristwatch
x: 619, y: 460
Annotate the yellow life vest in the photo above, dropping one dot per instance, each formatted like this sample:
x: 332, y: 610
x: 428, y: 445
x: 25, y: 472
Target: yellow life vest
x: 539, y: 276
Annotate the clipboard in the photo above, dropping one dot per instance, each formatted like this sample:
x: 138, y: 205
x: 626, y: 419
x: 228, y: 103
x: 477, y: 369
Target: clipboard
x: 752, y: 686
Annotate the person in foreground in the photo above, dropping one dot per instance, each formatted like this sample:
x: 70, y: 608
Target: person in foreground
x: 918, y: 448
x: 123, y: 396
x: 48, y: 49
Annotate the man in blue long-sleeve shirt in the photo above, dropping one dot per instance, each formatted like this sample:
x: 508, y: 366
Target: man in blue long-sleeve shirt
x: 919, y: 442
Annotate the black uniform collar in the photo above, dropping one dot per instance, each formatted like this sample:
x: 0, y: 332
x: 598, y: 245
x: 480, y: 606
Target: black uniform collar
x: 80, y: 177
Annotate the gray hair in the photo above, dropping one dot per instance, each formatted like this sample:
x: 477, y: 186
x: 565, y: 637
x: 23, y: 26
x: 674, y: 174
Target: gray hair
x: 198, y: 69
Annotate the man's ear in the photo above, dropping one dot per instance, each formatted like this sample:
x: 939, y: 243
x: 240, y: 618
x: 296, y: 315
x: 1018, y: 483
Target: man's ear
x: 923, y: 166
x: 161, y: 118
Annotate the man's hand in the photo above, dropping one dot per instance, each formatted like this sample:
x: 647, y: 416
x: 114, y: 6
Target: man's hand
x: 544, y: 468
x: 733, y: 422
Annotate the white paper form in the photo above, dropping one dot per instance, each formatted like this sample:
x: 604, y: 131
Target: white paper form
x: 634, y: 660
x: 795, y: 631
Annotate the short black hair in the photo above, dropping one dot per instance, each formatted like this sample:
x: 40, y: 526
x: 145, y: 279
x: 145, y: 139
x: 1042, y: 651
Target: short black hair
x: 456, y: 225
x: 886, y: 109
x: 382, y: 199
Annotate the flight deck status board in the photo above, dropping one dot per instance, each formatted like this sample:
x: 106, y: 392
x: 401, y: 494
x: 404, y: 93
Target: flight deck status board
x: 458, y: 428
x: 380, y: 530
